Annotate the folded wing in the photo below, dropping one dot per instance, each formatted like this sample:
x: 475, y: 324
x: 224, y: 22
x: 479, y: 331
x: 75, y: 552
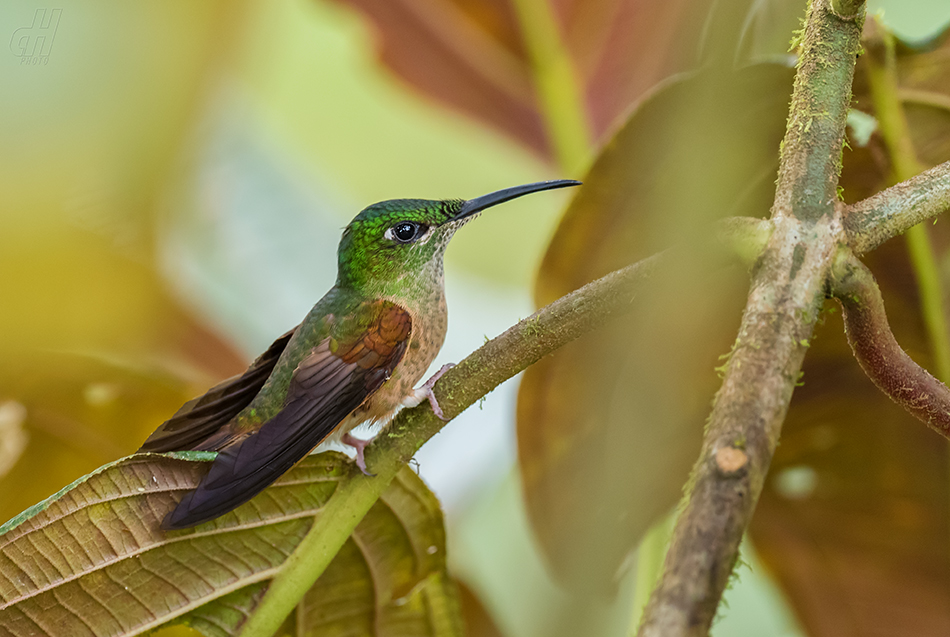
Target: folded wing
x: 338, y: 375
x: 202, y: 417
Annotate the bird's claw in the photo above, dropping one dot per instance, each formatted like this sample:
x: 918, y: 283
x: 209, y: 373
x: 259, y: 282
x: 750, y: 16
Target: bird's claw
x: 426, y: 393
x: 359, y: 444
x: 429, y: 388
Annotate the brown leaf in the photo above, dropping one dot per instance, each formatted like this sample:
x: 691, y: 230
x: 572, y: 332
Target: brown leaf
x: 624, y: 407
x: 478, y: 622
x: 925, y: 66
x: 92, y: 559
x: 924, y: 83
x: 855, y: 515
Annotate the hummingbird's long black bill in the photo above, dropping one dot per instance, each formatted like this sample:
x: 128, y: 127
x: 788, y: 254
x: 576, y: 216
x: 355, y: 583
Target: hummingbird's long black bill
x: 478, y: 204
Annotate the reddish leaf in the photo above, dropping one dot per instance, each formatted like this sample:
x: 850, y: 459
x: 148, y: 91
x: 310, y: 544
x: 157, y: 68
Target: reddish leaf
x: 623, y: 48
x: 470, y: 54
x: 466, y: 54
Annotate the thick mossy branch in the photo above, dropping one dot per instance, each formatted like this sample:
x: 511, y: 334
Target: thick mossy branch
x: 877, y: 351
x: 787, y: 292
x: 811, y: 151
x: 892, y: 212
x: 847, y: 9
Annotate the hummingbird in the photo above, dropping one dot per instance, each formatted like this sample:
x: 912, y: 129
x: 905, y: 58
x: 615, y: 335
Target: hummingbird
x: 355, y: 358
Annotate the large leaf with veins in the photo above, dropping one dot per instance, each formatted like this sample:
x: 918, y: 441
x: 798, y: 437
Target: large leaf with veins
x: 91, y: 560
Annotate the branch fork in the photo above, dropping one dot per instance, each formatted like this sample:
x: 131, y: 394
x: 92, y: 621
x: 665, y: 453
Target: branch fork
x: 810, y: 254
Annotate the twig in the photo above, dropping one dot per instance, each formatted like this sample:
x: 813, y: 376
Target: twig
x: 786, y: 295
x: 924, y: 98
x: 877, y: 351
x: 560, y: 93
x: 891, y: 212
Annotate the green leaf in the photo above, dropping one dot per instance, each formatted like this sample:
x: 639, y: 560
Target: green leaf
x: 92, y: 559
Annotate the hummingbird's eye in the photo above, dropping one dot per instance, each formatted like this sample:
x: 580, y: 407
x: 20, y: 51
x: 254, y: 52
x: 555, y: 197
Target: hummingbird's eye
x: 405, y: 231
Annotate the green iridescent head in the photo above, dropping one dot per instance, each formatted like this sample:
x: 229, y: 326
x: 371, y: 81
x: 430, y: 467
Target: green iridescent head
x: 400, y: 242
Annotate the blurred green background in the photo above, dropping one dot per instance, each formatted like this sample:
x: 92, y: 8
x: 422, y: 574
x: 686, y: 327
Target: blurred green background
x: 174, y: 177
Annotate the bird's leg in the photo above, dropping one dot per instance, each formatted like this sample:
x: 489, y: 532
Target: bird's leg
x: 425, y: 392
x: 413, y: 399
x: 358, y: 444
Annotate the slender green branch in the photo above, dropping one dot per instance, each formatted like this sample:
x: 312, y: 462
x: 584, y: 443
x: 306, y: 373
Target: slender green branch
x: 924, y: 98
x: 894, y: 211
x: 559, y: 91
x: 786, y: 295
x: 650, y: 556
x: 882, y: 77
x: 931, y: 297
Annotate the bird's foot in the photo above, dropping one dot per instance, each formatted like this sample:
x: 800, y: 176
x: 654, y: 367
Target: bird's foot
x: 359, y: 444
x: 425, y: 393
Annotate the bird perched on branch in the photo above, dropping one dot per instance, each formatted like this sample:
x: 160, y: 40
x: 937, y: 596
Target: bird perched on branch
x: 355, y: 358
